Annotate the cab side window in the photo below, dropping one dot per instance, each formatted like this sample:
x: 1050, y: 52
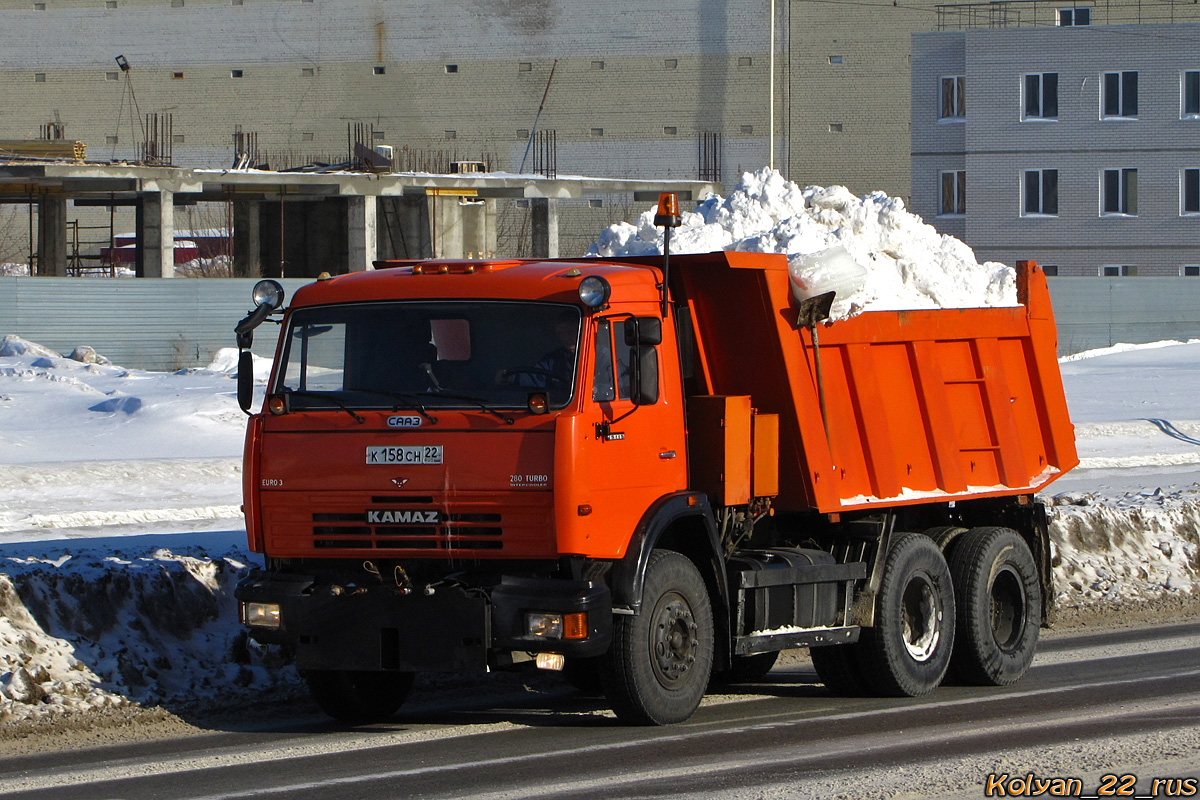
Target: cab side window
x: 603, y: 387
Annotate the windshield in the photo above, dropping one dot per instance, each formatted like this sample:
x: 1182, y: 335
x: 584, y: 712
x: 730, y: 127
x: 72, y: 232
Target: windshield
x: 429, y: 354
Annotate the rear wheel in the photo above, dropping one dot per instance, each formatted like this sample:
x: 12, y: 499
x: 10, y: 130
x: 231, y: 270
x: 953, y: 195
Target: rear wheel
x: 359, y: 696
x: 999, y: 602
x: 908, y: 651
x: 658, y: 666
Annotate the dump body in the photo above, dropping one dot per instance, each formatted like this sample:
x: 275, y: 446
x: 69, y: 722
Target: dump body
x: 919, y: 406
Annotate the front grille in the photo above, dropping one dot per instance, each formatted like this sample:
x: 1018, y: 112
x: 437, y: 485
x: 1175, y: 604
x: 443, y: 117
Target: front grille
x: 459, y: 532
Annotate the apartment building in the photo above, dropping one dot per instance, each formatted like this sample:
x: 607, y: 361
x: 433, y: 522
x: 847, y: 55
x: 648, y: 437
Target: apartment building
x: 1071, y: 138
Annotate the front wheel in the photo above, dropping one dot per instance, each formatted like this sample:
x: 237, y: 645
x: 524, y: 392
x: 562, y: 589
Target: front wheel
x: 359, y: 696
x: 659, y: 663
x: 999, y: 606
x: 908, y: 651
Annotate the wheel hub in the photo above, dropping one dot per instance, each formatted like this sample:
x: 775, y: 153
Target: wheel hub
x: 673, y: 639
x: 921, y: 619
x: 1008, y: 610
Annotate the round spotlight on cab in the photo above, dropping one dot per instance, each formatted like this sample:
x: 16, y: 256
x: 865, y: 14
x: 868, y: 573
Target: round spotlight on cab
x: 594, y: 291
x: 538, y: 403
x: 268, y: 293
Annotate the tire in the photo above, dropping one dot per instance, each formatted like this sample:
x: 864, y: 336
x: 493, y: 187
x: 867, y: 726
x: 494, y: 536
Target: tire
x: 359, y: 696
x: 838, y: 668
x: 908, y: 651
x: 747, y: 669
x: 660, y: 660
x: 999, y: 599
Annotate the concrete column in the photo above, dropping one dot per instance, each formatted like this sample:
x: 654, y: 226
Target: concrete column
x: 544, y: 213
x: 479, y: 228
x: 158, y: 234
x: 247, y: 239
x: 52, y: 235
x: 446, y: 226
x: 361, y: 233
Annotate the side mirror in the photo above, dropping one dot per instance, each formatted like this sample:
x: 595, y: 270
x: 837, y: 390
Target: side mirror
x: 643, y: 331
x: 245, y: 380
x: 644, y: 380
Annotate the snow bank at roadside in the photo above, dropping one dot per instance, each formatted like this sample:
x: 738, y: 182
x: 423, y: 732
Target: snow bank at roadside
x: 874, y: 252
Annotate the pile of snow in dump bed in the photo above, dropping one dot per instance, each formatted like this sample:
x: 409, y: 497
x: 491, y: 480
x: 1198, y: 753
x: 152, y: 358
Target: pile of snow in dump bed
x: 875, y: 254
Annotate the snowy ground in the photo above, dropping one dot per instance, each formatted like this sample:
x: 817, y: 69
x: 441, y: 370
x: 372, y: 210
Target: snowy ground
x: 121, y: 540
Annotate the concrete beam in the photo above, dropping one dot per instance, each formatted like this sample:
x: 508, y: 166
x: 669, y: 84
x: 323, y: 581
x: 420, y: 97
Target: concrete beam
x: 544, y: 214
x: 52, y: 235
x: 157, y: 242
x: 247, y: 239
x: 361, y: 232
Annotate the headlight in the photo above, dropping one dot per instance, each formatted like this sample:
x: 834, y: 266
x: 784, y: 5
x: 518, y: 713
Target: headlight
x: 594, y: 291
x: 261, y: 615
x: 544, y: 626
x: 268, y: 293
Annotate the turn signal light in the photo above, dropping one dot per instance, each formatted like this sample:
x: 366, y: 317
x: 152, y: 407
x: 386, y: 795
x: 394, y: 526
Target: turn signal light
x: 276, y: 404
x: 538, y: 404
x: 575, y: 626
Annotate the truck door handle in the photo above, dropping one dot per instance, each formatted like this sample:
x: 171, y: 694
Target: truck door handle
x: 667, y: 454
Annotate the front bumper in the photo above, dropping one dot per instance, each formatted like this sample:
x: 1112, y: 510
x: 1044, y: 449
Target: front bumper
x: 456, y: 629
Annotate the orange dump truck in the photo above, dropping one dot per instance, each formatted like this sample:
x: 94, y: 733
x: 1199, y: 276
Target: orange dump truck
x: 464, y: 466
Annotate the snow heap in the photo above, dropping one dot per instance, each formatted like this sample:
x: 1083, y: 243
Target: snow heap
x: 875, y: 254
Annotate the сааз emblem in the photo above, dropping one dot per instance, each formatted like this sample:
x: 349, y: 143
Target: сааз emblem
x: 399, y: 482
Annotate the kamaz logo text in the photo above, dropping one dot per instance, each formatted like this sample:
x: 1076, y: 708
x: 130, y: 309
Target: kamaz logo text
x: 377, y: 517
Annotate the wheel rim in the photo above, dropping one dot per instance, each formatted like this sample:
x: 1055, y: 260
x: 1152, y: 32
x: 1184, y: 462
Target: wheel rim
x: 673, y: 639
x: 1008, y: 610
x: 920, y: 622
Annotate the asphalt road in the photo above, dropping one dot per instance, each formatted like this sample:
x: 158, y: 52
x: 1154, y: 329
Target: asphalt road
x: 1125, y: 703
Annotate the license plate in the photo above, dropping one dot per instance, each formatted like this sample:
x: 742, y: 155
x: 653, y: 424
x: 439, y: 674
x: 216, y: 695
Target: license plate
x: 405, y: 454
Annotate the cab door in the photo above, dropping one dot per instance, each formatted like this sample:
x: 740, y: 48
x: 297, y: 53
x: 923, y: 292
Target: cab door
x: 621, y: 457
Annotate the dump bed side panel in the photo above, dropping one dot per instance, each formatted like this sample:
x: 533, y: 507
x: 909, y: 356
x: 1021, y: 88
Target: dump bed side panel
x: 919, y: 405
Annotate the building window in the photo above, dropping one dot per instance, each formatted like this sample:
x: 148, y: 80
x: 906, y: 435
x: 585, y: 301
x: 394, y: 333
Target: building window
x: 308, y: 72
x: 595, y: 203
x: 525, y: 66
x: 1051, y: 270
x: 110, y: 140
x: 112, y: 76
x: 597, y: 65
x: 451, y: 134
x: 178, y: 76
x: 451, y: 69
x: 235, y: 2
x: 670, y: 130
x: 835, y: 59
x: 670, y: 63
x: 306, y: 137
x: 1123, y: 271
x: 1074, y: 17
x: 176, y: 3
x: 835, y: 127
x: 39, y: 77
x: 1118, y: 192
x: 953, y: 194
x: 745, y: 61
x: 236, y: 73
x: 380, y: 70
x: 597, y: 131
x: 1189, y: 191
x: 1041, y: 95
x: 954, y: 98
x: 378, y: 136
x: 522, y: 134
x: 39, y: 6
x: 1189, y: 272
x: 522, y: 203
x: 1040, y: 193
x: 1189, y: 103
x: 747, y: 129
x: 1119, y: 95
x: 177, y: 138
x: 110, y: 3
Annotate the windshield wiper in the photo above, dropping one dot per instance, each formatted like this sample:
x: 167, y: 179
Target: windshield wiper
x: 322, y: 396
x: 410, y: 402
x: 476, y: 401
